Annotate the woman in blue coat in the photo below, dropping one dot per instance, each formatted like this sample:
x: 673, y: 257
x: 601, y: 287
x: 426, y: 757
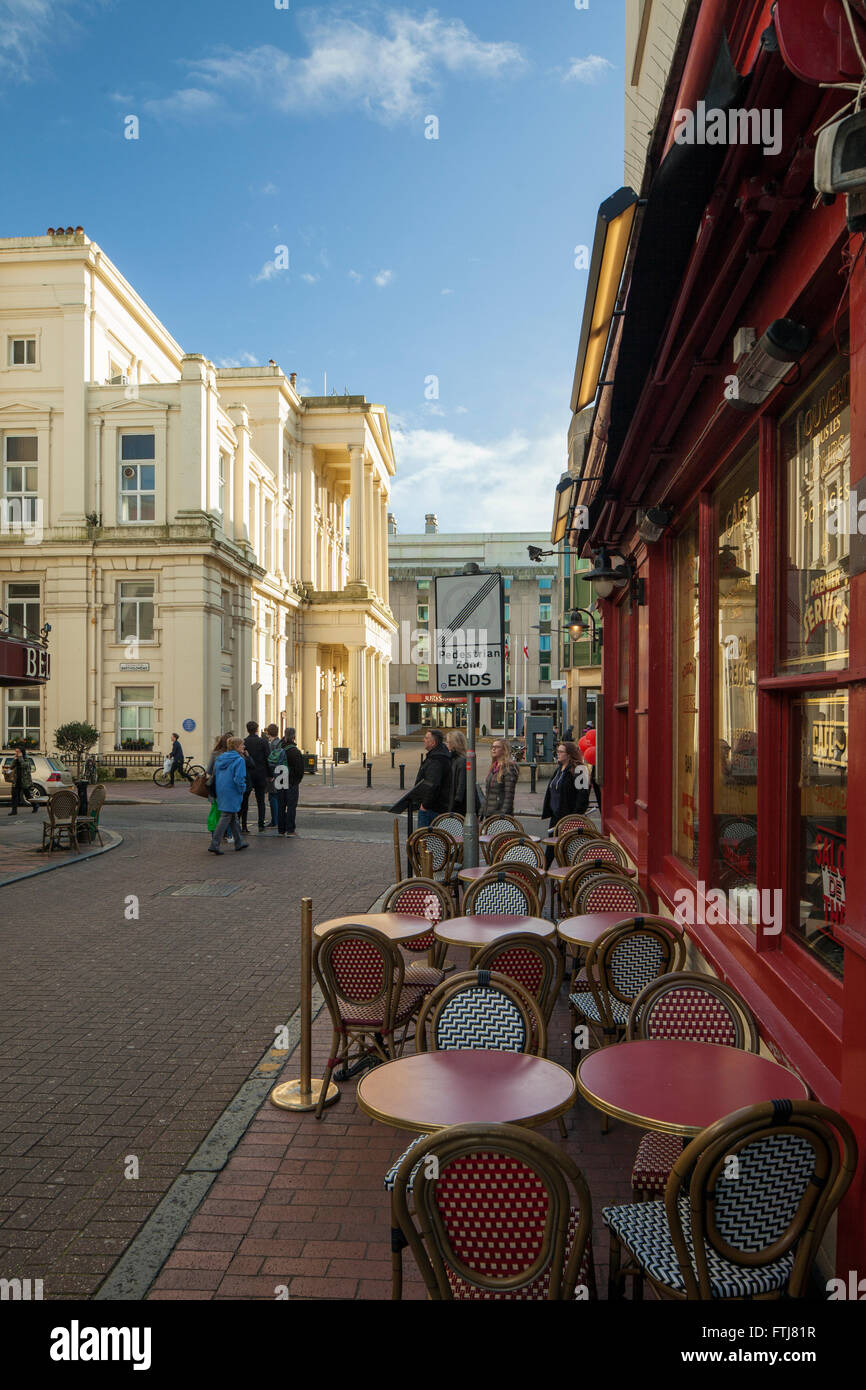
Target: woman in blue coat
x: 230, y: 784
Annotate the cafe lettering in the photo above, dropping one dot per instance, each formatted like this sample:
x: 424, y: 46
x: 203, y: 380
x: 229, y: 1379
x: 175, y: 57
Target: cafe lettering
x: 23, y: 663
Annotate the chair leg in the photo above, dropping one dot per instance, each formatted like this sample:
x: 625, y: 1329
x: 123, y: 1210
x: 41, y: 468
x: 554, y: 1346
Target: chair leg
x: 561, y: 1122
x: 615, y: 1277
x: 329, y: 1070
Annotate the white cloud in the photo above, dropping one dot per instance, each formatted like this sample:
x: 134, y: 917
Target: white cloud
x: 270, y: 188
x: 353, y: 275
x: 502, y: 485
x: 384, y: 278
x: 388, y: 72
x: 310, y: 279
x: 590, y: 69
x: 245, y: 359
x: 189, y: 101
x: 446, y: 291
x: 269, y: 270
x: 28, y: 27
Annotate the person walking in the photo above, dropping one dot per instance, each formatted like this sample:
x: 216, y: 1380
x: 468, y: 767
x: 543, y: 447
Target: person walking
x: 177, y: 760
x: 22, y: 783
x: 274, y: 742
x: 230, y: 780
x: 500, y: 782
x: 432, y: 789
x: 568, y: 789
x: 257, y: 750
x: 288, y: 768
x: 456, y: 743
x: 221, y: 746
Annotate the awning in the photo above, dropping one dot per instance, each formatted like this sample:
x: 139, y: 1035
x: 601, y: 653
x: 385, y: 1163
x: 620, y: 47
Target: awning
x: 23, y: 662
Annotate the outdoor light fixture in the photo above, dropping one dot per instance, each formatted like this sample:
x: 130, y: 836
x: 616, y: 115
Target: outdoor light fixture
x: 729, y: 571
x: 610, y: 248
x: 652, y: 523
x: 768, y: 363
x: 563, y: 508
x: 580, y: 621
x: 536, y: 554
x: 605, y: 577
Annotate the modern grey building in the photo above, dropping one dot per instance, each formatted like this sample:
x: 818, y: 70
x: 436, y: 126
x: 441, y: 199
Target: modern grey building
x: 531, y: 612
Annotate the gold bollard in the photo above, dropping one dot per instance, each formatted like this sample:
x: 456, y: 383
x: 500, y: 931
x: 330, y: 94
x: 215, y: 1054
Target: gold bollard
x: 303, y: 1094
x: 397, y: 852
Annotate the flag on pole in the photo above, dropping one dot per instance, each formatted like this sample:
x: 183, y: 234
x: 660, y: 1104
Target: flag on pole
x: 526, y: 651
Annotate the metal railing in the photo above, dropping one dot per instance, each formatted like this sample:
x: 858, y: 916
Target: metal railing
x: 10, y: 627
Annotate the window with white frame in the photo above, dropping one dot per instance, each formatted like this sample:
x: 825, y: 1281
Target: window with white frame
x: 222, y: 481
x: 267, y: 558
x: 21, y: 352
x: 137, y: 478
x: 135, y: 610
x: 20, y: 478
x: 135, y: 716
x: 253, y: 519
x: 226, y: 620
x: 23, y: 716
x: 22, y: 608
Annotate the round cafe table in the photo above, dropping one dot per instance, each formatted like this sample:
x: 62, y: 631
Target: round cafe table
x: 681, y: 1087
x: 486, y: 927
x: 584, y: 930
x: 397, y: 926
x: 430, y: 1090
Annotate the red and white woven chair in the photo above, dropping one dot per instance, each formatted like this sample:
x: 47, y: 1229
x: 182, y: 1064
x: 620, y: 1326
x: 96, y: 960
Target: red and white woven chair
x: 744, y: 1210
x: 693, y: 1008
x: 423, y: 898
x: 575, y: 821
x: 498, y: 841
x: 598, y: 852
x: 498, y: 1213
x: 570, y: 842
x: 608, y: 891
x: 362, y: 977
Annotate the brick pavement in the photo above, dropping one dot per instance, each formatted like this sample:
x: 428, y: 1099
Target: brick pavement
x: 300, y: 1202
x: 124, y: 1036
x: 21, y: 845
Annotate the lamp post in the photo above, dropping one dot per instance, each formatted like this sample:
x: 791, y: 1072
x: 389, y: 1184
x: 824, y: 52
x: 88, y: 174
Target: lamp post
x: 576, y: 626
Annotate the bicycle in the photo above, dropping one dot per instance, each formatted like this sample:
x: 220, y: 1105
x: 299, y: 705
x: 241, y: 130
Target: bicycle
x: 189, y: 770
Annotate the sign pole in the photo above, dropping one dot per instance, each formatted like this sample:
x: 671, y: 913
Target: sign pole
x: 470, y: 819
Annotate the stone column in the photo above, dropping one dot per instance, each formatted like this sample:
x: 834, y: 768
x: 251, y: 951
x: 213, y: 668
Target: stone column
x: 370, y: 528
x: 306, y: 519
x: 309, y: 697
x: 357, y: 515
x: 357, y: 701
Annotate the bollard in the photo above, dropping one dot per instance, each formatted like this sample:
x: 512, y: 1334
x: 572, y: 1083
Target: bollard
x: 303, y: 1094
x: 402, y: 777
x: 369, y: 774
x: 532, y: 775
x: 397, y: 864
x: 363, y: 759
x: 332, y: 774
x: 392, y: 757
x: 324, y: 772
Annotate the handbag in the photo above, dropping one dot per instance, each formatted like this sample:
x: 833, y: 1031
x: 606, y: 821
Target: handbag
x: 213, y: 817
x: 166, y: 764
x: 198, y: 786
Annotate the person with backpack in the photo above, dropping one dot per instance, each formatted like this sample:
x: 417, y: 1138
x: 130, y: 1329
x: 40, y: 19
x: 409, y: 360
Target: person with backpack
x: 287, y: 766
x: 257, y: 750
x: 273, y: 740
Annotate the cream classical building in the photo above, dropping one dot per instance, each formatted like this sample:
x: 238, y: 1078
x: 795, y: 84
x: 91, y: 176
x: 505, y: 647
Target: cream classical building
x: 205, y: 543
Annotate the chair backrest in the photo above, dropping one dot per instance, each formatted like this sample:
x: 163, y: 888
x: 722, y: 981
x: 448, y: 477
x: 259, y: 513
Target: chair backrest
x: 625, y: 959
x: 493, y: 1216
x: 451, y: 822
x: 494, y: 824
x: 531, y: 875
x: 573, y: 840
x: 759, y: 1184
x: 694, y: 1008
x: 609, y: 892
x: 357, y: 965
x: 96, y: 800
x: 575, y: 821
x: 442, y: 846
x: 519, y: 851
x: 480, y: 1009
x: 499, y: 841
x: 500, y: 892
x: 579, y: 876
x: 423, y: 898
x: 535, y: 964
x: 63, y: 806
x: 582, y: 850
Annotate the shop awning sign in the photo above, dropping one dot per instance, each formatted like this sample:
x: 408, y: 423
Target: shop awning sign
x: 469, y: 637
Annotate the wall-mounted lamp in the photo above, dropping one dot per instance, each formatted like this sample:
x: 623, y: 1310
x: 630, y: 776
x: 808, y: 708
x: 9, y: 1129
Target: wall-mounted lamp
x: 767, y: 364
x: 609, y: 250
x: 653, y: 522
x: 605, y: 577
x: 730, y: 573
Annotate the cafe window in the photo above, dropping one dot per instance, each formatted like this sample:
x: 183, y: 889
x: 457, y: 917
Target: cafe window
x: 735, y: 775
x: 135, y: 717
x: 820, y: 823
x: 814, y: 455
x: 686, y: 675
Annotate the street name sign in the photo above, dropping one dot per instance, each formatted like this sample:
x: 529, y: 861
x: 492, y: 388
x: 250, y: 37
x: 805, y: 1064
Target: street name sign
x: 470, y: 634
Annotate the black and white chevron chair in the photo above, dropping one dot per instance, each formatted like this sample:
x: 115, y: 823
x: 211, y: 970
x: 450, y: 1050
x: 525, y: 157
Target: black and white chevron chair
x: 744, y: 1210
x: 500, y: 892
x: 519, y: 851
x: 621, y: 963
x: 476, y: 1009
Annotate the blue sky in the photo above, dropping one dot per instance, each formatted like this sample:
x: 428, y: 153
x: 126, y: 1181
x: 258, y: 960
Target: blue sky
x: 409, y: 258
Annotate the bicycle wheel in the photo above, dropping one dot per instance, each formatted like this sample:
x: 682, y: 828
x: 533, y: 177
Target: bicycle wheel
x: 195, y: 771
x: 161, y: 779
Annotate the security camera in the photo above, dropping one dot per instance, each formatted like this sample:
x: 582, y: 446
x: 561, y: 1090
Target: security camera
x: 840, y: 166
x: 535, y: 553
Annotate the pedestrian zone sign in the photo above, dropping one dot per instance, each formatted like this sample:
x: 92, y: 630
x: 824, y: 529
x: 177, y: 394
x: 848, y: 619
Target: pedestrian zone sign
x: 469, y: 637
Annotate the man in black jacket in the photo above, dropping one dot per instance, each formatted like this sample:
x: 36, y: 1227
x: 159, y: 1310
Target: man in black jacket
x: 258, y: 750
x: 288, y: 773
x: 432, y: 788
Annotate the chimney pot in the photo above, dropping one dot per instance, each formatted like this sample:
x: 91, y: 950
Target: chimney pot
x: 392, y: 524
x: 431, y: 524
x: 294, y: 378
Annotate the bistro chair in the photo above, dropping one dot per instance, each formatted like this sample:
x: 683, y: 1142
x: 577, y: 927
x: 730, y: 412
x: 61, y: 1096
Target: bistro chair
x: 695, y: 1008
x: 599, y: 852
x: 475, y: 1009
x: 62, y: 811
x: 499, y: 841
x: 619, y: 965
x: 575, y: 821
x: 529, y: 874
x: 572, y: 841
x: 499, y: 1213
x: 362, y: 977
x: 494, y: 824
x: 90, y: 820
x: 573, y: 885
x: 442, y: 849
x: 501, y: 892
x: 521, y: 851
x: 745, y: 1208
x: 606, y: 891
x: 451, y: 822
x: 423, y: 897
x: 534, y: 963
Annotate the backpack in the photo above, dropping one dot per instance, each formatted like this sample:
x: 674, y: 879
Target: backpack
x: 277, y: 757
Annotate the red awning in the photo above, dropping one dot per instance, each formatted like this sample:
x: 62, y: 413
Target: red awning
x: 22, y: 662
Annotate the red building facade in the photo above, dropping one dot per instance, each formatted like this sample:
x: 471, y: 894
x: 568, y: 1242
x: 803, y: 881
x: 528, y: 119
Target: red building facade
x: 734, y: 730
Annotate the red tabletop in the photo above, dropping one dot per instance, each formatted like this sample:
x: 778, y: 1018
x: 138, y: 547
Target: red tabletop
x: 397, y: 926
x: 681, y: 1087
x: 470, y: 875
x: 486, y: 927
x: 559, y: 870
x: 585, y: 929
x: 430, y: 1090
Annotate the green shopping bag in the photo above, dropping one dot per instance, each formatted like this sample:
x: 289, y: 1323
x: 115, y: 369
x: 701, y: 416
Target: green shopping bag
x: 213, y: 818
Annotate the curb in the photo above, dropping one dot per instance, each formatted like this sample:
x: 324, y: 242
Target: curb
x: 116, y: 842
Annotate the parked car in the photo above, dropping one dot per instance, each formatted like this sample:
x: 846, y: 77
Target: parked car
x: 49, y: 775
